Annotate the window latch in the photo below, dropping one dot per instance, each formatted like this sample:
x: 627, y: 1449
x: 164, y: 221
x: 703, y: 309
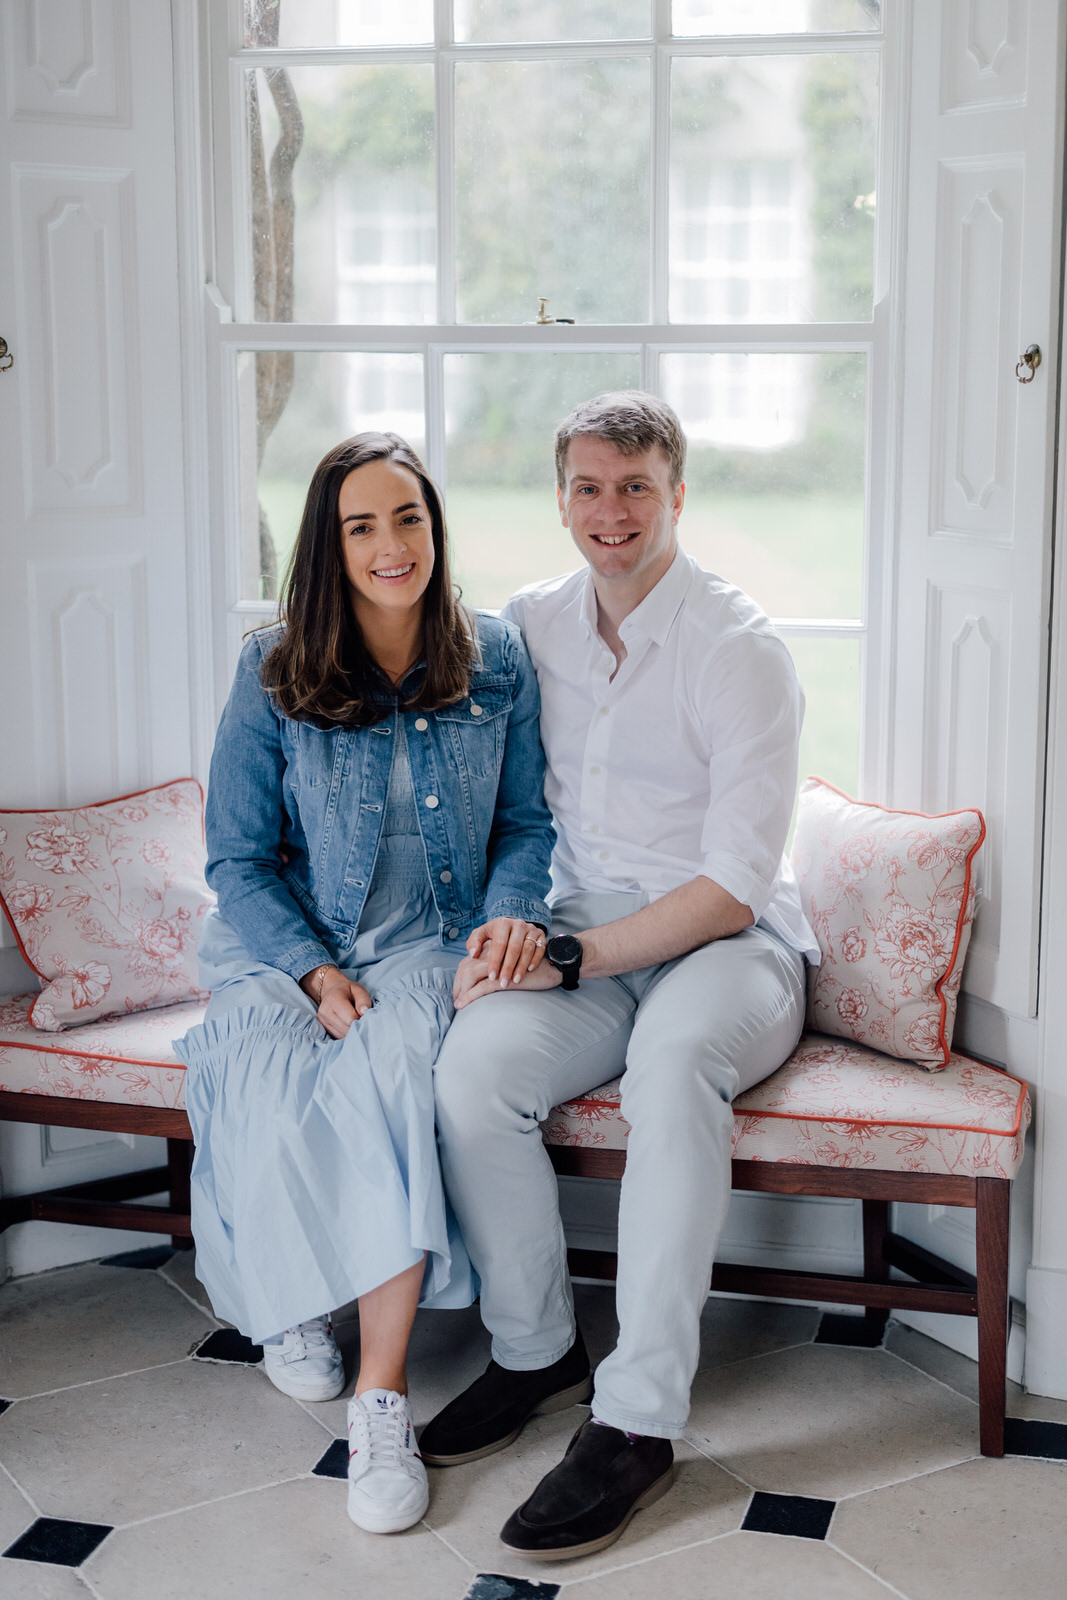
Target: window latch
x: 542, y: 319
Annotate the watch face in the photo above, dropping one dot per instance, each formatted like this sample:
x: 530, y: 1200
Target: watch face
x: 564, y: 949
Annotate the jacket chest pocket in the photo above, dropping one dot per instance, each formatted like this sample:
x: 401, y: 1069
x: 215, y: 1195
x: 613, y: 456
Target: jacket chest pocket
x: 316, y: 754
x: 476, y: 730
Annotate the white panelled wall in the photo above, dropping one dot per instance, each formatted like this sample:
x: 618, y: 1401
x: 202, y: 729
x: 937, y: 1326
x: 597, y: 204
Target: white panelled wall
x: 94, y: 642
x: 108, y: 497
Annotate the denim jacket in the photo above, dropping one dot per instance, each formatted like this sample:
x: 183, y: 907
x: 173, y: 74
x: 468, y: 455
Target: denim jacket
x: 477, y: 768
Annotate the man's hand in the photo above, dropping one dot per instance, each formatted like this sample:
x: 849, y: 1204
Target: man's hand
x: 473, y: 980
x: 340, y: 1001
x: 510, y: 948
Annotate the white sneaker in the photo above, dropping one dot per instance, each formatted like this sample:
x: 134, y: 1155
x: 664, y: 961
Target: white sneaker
x: 387, y: 1487
x: 304, y: 1362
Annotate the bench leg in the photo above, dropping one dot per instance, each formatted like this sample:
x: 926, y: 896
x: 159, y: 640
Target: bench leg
x: 993, y: 1197
x: 875, y: 1228
x: 179, y: 1163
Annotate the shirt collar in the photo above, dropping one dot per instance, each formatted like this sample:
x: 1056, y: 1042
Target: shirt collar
x: 654, y: 617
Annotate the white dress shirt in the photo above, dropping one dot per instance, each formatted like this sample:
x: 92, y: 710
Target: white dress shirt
x: 685, y: 763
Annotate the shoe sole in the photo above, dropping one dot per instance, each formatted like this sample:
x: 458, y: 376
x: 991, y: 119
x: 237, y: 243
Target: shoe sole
x: 371, y: 1524
x: 654, y: 1492
x: 315, y: 1396
x: 554, y: 1402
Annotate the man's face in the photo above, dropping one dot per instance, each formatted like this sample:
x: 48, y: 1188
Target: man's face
x: 622, y: 512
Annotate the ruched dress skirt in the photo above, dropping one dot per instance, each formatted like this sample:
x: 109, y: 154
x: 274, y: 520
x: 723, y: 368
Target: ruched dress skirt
x: 316, y: 1176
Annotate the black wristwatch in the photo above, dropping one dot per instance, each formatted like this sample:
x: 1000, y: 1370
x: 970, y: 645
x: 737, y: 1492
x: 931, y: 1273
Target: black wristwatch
x: 565, y: 953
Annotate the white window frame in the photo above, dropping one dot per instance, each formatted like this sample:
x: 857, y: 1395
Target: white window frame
x: 231, y: 332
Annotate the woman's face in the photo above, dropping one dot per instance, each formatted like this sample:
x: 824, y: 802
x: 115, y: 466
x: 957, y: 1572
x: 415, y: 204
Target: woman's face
x: 386, y: 540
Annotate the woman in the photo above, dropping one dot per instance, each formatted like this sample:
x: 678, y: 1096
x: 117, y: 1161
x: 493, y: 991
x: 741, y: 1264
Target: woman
x: 374, y: 809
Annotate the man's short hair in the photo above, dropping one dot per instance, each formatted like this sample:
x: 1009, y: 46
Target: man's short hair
x: 630, y: 420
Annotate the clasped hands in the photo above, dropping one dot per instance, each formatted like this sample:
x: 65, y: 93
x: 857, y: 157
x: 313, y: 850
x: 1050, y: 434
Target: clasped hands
x: 505, y: 953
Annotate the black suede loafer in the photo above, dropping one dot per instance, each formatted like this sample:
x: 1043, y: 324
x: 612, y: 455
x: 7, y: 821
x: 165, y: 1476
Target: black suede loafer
x: 492, y: 1412
x: 585, y: 1503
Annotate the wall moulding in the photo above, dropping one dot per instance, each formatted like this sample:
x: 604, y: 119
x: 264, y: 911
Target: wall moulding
x: 68, y: 61
x: 76, y: 272
x: 979, y: 217
x: 984, y: 59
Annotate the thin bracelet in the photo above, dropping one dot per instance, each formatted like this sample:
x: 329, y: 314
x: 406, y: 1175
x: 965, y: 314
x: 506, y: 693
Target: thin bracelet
x: 320, y: 973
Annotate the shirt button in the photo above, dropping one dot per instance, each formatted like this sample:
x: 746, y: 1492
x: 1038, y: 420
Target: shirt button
x: 476, y: 711
x: 446, y: 876
x: 604, y: 855
x: 593, y: 828
x: 452, y: 933
x: 603, y: 711
x: 421, y: 724
x: 431, y: 801
x: 594, y: 769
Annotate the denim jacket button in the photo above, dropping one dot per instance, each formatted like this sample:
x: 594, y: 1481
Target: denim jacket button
x: 452, y: 933
x: 422, y: 724
x: 476, y: 711
x: 431, y: 801
x: 446, y: 876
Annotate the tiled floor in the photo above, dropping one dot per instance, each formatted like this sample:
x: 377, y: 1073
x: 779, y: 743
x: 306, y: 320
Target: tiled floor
x: 139, y: 1462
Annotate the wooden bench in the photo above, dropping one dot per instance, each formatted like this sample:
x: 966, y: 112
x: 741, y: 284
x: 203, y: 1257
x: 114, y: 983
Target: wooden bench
x: 837, y: 1119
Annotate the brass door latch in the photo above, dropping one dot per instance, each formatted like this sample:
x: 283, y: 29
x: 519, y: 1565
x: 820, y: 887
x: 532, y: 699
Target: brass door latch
x: 1028, y: 363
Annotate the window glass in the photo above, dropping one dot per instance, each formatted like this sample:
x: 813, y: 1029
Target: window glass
x: 342, y: 194
x: 691, y: 17
x: 775, y: 475
x: 364, y: 24
x: 294, y: 406
x: 552, y: 189
x: 772, y: 178
x: 502, y: 412
x: 829, y: 670
x: 505, y: 20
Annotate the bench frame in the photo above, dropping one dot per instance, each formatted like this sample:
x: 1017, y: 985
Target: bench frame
x: 936, y: 1285
x: 108, y: 1202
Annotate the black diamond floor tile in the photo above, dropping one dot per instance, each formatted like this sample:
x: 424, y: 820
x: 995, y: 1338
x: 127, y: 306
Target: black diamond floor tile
x: 837, y: 1328
x: 63, y: 1544
x: 799, y: 1515
x: 226, y: 1344
x: 1025, y: 1437
x: 492, y: 1586
x: 156, y: 1255
x: 3, y: 1406
x: 333, y: 1463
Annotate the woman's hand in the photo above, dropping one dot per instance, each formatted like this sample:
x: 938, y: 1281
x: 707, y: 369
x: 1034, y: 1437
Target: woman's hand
x: 473, y: 980
x: 340, y: 1001
x: 510, y: 948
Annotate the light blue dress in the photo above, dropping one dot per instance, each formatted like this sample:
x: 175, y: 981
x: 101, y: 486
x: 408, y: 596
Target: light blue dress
x: 316, y: 1174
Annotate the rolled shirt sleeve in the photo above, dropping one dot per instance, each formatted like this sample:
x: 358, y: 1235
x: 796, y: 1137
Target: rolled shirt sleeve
x: 754, y: 711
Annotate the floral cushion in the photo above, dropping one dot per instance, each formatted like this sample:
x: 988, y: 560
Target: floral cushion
x: 837, y: 1104
x: 129, y: 1060
x: 890, y: 896
x: 106, y: 902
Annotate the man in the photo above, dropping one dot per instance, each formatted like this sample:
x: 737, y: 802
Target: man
x: 670, y: 718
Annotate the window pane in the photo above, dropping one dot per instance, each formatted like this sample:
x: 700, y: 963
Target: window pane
x: 552, y: 162
x: 501, y: 20
x: 775, y: 16
x: 829, y: 669
x: 293, y: 408
x: 355, y: 241
x: 775, y: 474
x: 772, y: 188
x: 358, y: 23
x: 502, y: 412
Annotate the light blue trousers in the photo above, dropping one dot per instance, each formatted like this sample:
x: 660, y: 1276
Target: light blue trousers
x: 691, y: 1034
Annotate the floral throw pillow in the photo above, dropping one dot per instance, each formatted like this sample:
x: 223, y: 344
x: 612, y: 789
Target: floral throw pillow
x: 106, y: 901
x: 890, y: 896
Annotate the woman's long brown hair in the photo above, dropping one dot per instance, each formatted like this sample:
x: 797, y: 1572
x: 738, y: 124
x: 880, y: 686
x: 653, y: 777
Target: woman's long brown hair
x: 321, y: 669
